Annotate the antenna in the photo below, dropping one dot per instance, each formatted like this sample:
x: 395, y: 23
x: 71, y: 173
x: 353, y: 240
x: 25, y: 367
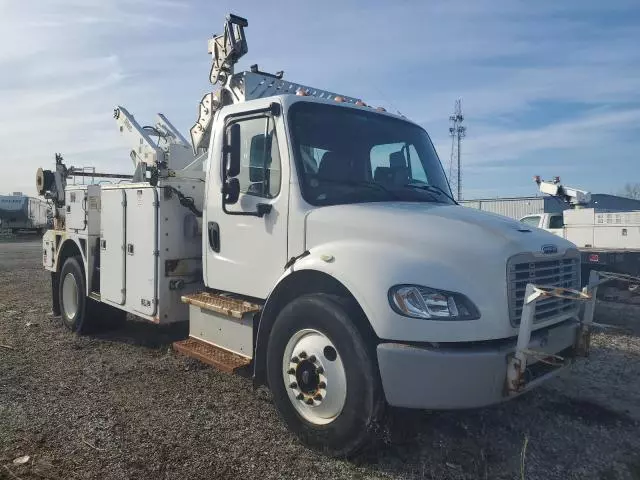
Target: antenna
x: 457, y: 131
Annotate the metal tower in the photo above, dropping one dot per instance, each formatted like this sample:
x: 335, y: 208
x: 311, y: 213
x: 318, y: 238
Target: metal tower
x: 457, y: 131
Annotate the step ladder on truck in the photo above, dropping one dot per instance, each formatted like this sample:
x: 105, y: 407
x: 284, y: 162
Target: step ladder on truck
x: 312, y: 240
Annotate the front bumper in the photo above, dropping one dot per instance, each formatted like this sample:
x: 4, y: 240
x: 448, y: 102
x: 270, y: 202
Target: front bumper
x: 469, y: 375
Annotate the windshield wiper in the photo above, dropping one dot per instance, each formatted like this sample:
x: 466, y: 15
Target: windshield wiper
x: 352, y: 183
x: 431, y: 189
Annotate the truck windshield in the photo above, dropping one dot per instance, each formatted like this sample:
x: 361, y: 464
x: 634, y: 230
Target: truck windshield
x: 533, y: 220
x: 347, y: 155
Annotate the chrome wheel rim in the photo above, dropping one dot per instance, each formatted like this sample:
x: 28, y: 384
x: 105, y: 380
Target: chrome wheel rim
x: 69, y: 296
x: 314, y: 376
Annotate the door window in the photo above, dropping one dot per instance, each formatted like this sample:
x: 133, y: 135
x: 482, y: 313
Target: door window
x: 260, y: 168
x: 556, y: 221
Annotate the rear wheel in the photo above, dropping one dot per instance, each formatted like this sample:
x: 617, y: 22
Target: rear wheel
x: 72, y: 297
x: 322, y: 375
x: 78, y: 313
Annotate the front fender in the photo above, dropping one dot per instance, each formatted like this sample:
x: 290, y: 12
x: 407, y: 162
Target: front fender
x: 369, y: 268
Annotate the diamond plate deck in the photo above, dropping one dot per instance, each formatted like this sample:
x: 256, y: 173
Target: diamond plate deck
x: 220, y: 358
x: 231, y: 307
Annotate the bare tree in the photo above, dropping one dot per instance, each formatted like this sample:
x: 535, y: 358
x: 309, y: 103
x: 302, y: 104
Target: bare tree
x: 631, y: 190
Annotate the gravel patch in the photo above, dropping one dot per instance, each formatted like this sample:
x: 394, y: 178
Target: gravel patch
x: 124, y: 405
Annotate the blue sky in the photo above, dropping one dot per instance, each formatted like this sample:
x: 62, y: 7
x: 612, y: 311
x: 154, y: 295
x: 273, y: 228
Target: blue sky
x: 548, y: 88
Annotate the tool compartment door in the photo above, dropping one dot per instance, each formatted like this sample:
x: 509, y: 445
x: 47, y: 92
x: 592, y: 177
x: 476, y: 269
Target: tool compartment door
x: 76, y: 209
x: 112, y: 246
x: 141, y: 250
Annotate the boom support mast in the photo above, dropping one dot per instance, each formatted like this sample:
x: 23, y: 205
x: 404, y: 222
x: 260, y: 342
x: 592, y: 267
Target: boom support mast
x: 226, y: 49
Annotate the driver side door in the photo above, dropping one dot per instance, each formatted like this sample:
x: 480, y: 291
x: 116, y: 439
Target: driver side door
x: 248, y: 252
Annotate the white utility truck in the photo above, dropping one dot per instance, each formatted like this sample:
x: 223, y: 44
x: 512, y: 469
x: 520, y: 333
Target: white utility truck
x: 607, y: 240
x: 313, y: 239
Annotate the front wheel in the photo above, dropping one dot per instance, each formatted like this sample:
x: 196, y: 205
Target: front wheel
x: 323, y: 375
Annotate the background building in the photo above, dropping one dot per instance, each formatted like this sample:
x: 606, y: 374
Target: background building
x: 518, y: 207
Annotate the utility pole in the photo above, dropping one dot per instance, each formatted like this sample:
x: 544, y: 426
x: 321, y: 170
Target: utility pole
x: 457, y: 131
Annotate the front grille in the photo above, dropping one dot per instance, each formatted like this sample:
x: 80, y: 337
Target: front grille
x: 558, y: 272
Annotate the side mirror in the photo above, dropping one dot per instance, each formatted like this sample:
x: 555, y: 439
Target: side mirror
x: 230, y: 191
x: 233, y: 151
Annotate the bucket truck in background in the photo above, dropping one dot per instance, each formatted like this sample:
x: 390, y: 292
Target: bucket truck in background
x: 607, y: 240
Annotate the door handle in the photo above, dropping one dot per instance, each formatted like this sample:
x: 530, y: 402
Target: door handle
x: 214, y: 236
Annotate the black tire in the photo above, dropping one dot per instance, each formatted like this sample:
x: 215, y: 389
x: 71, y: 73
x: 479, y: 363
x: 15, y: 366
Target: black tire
x: 354, y: 427
x: 85, y: 315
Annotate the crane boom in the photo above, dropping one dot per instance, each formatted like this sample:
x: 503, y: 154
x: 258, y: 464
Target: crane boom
x: 170, y: 148
x: 143, y: 148
x: 164, y: 126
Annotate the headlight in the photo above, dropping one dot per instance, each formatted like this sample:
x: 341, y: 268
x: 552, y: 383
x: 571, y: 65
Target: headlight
x: 424, y: 302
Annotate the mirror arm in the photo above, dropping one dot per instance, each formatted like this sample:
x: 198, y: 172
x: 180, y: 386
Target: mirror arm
x: 244, y: 214
x: 262, y: 210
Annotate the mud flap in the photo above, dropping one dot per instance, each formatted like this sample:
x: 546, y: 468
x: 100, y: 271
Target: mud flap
x: 55, y: 295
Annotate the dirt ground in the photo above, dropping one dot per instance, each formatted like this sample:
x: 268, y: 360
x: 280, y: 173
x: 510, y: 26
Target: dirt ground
x: 124, y: 405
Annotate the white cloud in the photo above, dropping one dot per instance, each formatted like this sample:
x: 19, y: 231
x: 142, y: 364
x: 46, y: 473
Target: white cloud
x: 589, y: 131
x: 67, y: 63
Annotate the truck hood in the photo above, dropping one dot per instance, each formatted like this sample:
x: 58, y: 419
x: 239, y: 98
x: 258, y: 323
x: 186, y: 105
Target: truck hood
x: 420, y: 225
x: 371, y: 247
